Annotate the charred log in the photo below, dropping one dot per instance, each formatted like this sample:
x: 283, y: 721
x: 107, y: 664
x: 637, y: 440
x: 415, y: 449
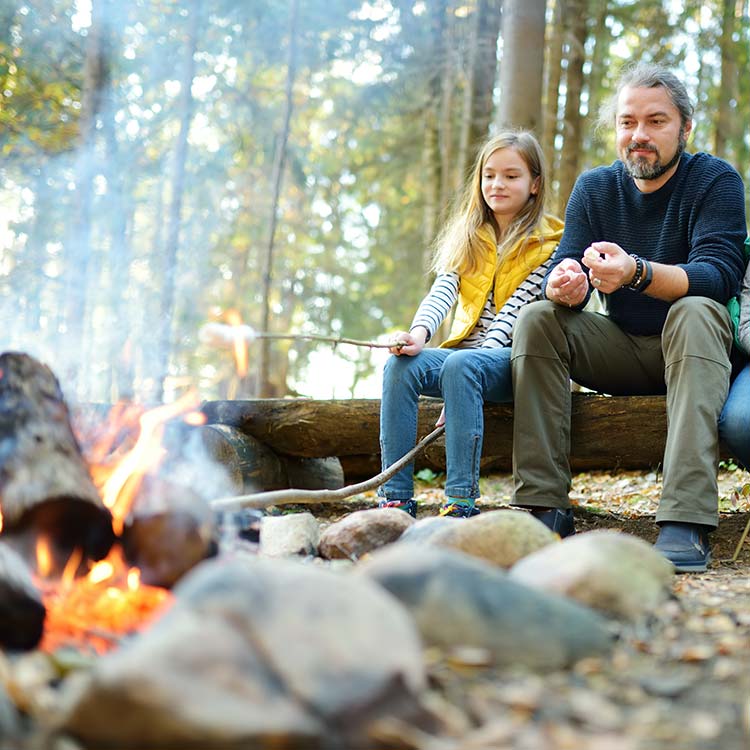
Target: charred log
x: 45, y: 486
x: 22, y: 612
x: 169, y: 530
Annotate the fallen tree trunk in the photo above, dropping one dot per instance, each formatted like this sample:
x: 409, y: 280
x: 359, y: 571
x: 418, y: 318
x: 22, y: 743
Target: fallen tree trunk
x: 608, y: 432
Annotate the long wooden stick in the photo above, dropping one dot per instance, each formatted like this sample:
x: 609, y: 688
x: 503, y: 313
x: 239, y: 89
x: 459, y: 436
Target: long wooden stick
x: 308, y: 497
x: 225, y: 335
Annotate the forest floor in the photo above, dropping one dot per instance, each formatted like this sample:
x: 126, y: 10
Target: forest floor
x: 679, y: 680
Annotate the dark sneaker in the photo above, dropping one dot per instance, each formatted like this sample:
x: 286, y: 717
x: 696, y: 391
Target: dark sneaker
x: 685, y: 545
x: 459, y: 510
x: 408, y: 506
x: 557, y: 520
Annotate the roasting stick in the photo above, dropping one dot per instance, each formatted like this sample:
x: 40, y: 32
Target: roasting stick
x: 308, y: 497
x: 225, y: 335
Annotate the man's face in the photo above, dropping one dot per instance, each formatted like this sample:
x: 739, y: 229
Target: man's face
x: 650, y: 135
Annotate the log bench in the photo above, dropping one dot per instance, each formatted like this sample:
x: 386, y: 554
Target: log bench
x: 608, y: 432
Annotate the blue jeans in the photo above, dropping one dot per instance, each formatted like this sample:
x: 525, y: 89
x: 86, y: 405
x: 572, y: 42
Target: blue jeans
x: 465, y: 379
x: 734, y: 422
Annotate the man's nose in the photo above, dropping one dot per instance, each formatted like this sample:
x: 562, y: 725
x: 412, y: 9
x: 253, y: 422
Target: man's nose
x: 640, y: 133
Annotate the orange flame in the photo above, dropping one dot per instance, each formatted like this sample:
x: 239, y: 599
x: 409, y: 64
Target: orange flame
x: 119, y: 485
x: 43, y: 556
x: 240, y: 343
x: 97, y: 611
x: 110, y: 602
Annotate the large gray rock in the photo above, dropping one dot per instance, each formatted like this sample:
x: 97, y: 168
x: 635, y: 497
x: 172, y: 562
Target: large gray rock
x: 457, y: 600
x: 363, y: 531
x: 254, y: 653
x: 425, y: 529
x: 501, y: 537
x: 615, y: 573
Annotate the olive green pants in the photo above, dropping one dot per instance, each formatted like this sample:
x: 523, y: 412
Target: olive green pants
x: 689, y: 362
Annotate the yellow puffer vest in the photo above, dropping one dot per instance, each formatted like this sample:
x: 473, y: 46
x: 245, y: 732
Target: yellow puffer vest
x: 475, y: 288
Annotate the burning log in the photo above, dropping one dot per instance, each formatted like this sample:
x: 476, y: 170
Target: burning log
x: 254, y: 466
x: 170, y: 529
x: 45, y: 486
x: 22, y: 612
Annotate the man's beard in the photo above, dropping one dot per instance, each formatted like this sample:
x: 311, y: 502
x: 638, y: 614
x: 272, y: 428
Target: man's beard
x: 641, y: 169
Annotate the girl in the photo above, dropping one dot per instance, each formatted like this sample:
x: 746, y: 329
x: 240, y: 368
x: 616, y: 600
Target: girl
x: 490, y: 260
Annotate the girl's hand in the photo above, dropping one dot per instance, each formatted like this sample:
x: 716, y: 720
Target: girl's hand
x: 441, y: 419
x: 567, y: 284
x: 410, y: 343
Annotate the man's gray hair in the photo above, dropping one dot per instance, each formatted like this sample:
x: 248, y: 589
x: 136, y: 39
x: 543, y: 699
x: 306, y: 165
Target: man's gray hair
x: 648, y: 75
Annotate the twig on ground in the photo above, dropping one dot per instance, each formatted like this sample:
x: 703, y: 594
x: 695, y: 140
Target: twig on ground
x: 308, y: 497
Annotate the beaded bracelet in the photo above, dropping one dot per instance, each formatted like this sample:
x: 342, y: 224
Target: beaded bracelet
x: 638, y: 275
x: 644, y: 274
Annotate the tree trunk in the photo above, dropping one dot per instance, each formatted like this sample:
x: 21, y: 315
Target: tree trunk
x: 120, y: 208
x: 555, y: 37
x: 432, y: 166
x: 522, y: 64
x: 570, y: 159
x: 728, y: 93
x: 599, y: 63
x: 264, y: 346
x: 477, y: 108
x: 174, y: 216
x: 78, y: 249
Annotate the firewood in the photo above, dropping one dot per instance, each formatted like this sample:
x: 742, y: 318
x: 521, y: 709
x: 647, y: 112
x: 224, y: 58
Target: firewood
x: 45, y: 485
x: 254, y: 467
x: 170, y: 529
x: 22, y: 612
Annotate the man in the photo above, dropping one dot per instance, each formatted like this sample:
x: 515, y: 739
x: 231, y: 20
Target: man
x: 659, y: 234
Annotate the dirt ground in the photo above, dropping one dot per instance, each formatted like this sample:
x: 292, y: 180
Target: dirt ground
x: 679, y: 680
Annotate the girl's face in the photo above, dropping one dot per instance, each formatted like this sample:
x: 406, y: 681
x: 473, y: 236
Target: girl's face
x: 507, y: 184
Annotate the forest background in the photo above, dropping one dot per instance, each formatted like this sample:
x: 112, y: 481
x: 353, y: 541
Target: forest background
x: 170, y: 163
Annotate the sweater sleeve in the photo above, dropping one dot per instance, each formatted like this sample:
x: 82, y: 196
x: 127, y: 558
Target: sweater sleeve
x: 437, y: 304
x: 500, y: 331
x: 716, y: 261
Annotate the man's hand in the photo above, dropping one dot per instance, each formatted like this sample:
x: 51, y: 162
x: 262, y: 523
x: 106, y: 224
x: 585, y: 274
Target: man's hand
x: 610, y: 267
x: 567, y: 284
x: 411, y: 343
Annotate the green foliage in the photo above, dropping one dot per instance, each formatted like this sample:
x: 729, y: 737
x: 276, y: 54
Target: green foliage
x: 350, y: 238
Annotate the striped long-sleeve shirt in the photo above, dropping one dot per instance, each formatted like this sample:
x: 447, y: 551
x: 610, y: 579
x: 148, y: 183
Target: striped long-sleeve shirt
x: 493, y: 329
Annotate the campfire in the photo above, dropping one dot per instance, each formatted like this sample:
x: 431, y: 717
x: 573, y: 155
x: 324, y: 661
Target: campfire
x: 78, y: 508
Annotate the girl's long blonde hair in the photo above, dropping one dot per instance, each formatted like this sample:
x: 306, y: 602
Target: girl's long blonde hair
x: 459, y: 246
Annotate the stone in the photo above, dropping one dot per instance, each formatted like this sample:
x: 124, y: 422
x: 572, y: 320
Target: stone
x: 423, y: 530
x: 289, y: 534
x: 254, y: 652
x: 501, y: 536
x: 458, y: 600
x: 363, y: 531
x: 610, y: 571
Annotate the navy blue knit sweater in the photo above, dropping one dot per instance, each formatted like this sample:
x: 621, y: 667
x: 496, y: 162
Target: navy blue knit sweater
x: 696, y: 220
